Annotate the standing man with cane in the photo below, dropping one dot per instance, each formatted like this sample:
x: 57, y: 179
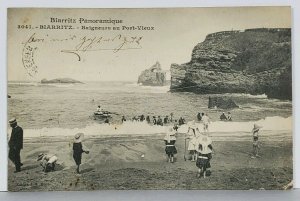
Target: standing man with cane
x: 15, y: 144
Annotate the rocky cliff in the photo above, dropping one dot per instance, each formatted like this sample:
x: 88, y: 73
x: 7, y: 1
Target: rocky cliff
x: 254, y: 61
x: 153, y: 76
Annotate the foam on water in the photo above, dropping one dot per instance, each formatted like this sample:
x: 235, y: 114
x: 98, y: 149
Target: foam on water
x: 24, y: 83
x: 151, y: 89
x: 268, y: 124
x: 38, y: 84
x: 233, y: 129
x: 260, y: 96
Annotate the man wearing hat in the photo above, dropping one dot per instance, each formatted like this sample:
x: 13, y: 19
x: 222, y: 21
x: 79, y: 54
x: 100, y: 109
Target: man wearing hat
x: 15, y: 144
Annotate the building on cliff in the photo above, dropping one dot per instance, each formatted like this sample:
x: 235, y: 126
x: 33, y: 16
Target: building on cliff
x: 254, y: 61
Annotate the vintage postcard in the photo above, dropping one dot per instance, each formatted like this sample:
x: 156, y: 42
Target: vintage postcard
x: 160, y: 98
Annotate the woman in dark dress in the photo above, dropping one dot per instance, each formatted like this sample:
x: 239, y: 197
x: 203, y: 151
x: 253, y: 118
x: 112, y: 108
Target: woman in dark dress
x: 170, y: 149
x: 78, y: 150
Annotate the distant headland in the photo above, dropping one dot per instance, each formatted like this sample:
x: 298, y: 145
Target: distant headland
x: 60, y: 80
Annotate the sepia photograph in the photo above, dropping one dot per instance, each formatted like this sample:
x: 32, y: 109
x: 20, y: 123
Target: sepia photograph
x: 149, y: 99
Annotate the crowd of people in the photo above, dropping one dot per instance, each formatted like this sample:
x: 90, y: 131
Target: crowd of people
x: 151, y: 120
x: 199, y: 147
x: 199, y: 143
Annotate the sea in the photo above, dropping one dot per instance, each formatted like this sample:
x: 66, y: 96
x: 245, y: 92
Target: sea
x: 45, y: 110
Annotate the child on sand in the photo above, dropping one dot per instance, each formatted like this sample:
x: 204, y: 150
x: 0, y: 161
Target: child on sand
x: 48, y: 161
x: 256, y: 146
x: 170, y: 140
x: 77, y: 150
x: 206, y: 121
x: 176, y: 126
x: 204, y: 153
x: 192, y: 140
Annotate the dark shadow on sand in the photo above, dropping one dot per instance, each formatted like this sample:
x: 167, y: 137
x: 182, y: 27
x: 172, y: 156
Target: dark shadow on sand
x: 30, y: 167
x: 86, y: 170
x: 59, y: 167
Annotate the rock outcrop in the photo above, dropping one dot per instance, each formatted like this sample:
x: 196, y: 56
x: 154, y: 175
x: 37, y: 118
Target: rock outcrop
x: 221, y: 103
x: 60, y: 80
x: 154, y: 76
x: 254, y: 61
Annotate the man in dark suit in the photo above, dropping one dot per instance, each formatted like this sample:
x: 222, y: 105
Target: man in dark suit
x: 15, y: 144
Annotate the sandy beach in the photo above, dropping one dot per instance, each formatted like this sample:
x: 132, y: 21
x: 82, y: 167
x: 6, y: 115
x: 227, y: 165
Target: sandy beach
x: 116, y: 163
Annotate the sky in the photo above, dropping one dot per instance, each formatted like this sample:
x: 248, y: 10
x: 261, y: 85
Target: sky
x: 176, y: 32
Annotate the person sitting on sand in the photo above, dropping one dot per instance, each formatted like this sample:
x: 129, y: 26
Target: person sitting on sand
x: 170, y: 149
x: 48, y: 161
x: 142, y: 118
x: 191, y: 135
x: 256, y: 146
x: 204, y: 154
x: 223, y: 117
x: 78, y: 150
x: 229, y: 118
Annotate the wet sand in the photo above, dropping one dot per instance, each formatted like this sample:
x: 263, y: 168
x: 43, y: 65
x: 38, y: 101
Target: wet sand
x: 116, y: 163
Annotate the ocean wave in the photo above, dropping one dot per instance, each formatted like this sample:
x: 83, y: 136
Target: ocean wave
x: 38, y: 84
x: 260, y: 96
x: 142, y: 128
x: 24, y: 83
x: 150, y: 89
x: 275, y: 123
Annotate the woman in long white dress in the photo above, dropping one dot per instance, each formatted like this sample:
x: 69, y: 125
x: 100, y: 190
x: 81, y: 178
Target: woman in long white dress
x: 191, y: 135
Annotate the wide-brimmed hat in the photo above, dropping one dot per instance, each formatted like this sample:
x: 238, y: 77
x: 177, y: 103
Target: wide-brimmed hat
x: 256, y: 128
x: 12, y: 121
x: 78, y: 137
x: 40, y: 156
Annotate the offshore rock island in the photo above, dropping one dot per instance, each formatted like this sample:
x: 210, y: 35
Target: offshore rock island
x: 254, y: 61
x: 60, y: 80
x: 153, y: 76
